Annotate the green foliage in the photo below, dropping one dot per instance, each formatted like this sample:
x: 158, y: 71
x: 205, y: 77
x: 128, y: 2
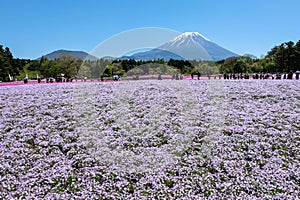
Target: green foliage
x: 286, y: 57
x: 208, y: 68
x: 108, y: 71
x: 65, y: 64
x: 135, y: 71
x: 228, y: 65
x: 9, y: 66
x: 34, y: 65
x: 184, y: 66
x: 95, y: 68
x: 272, y: 63
x: 30, y: 74
x: 152, y: 69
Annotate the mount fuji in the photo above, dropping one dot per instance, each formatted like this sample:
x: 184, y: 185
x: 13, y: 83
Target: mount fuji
x: 187, y: 46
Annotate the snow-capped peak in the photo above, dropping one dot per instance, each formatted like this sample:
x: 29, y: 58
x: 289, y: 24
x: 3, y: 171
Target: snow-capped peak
x: 191, y: 35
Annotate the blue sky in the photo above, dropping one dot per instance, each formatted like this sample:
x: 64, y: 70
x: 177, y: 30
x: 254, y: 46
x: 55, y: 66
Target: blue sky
x: 31, y: 28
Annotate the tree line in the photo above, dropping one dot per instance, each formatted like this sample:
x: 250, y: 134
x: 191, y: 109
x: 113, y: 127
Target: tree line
x: 283, y: 58
x: 286, y: 57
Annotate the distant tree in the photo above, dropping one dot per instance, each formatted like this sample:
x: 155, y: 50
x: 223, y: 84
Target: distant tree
x: 34, y: 65
x: 297, y: 56
x: 108, y: 71
x: 67, y: 65
x: 48, y: 68
x: 228, y: 65
x: 6, y: 68
x: 285, y: 56
x: 289, y: 58
x: 185, y: 67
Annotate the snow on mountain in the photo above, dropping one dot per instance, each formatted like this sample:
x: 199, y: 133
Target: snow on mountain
x: 194, y: 46
x: 191, y: 36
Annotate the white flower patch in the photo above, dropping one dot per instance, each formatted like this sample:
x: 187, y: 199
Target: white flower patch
x: 145, y: 126
x: 233, y: 139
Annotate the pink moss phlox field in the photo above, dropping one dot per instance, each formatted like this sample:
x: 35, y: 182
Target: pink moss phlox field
x: 56, y: 140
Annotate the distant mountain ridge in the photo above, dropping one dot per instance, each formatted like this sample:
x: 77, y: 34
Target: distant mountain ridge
x: 154, y: 54
x: 77, y: 54
x: 188, y: 46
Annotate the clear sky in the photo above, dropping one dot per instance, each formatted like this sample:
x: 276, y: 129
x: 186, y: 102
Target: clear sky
x: 31, y: 28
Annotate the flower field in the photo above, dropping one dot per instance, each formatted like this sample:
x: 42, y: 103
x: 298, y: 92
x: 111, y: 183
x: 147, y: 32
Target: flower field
x: 151, y: 139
